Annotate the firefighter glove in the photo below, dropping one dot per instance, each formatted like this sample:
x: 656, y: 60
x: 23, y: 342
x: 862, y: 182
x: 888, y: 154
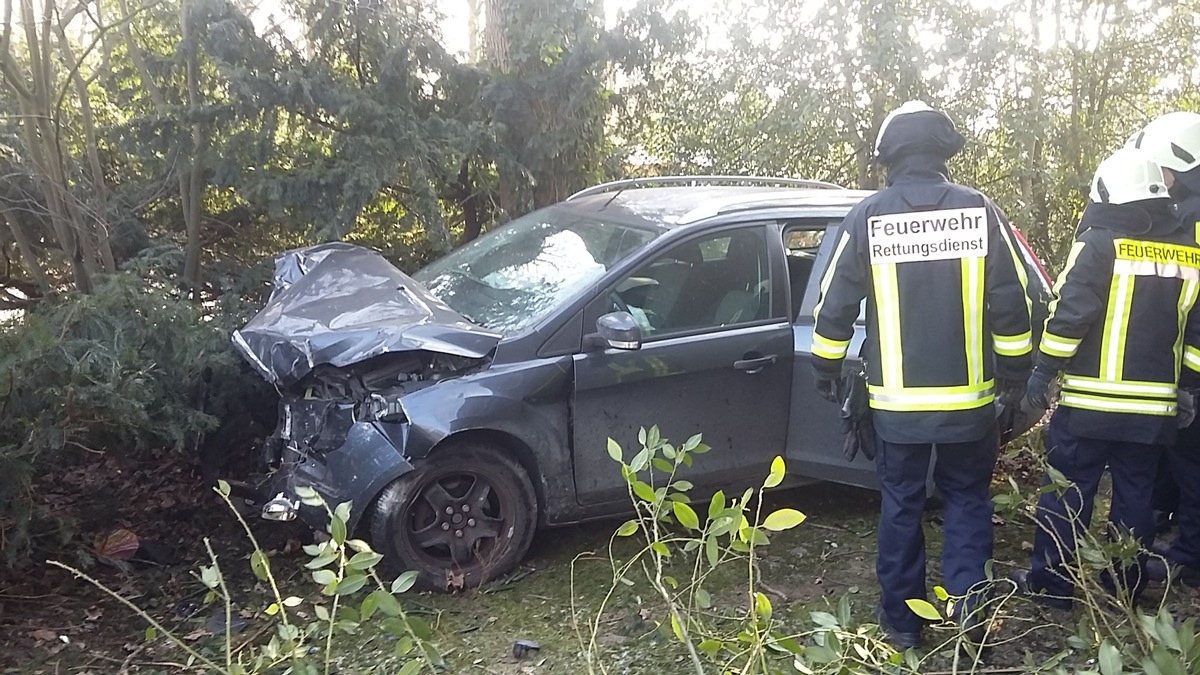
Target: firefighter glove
x: 1186, y: 412
x: 1010, y: 392
x: 1037, y: 391
x: 827, y: 389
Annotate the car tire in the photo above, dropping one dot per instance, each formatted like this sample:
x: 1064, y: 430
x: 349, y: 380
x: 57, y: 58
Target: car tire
x: 464, y: 516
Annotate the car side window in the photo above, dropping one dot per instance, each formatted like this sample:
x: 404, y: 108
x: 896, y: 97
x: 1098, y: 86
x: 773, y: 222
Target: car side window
x: 804, y: 299
x: 714, y: 281
x: 801, y: 245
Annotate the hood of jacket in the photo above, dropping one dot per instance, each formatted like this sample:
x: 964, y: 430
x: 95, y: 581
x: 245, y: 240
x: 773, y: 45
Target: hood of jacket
x: 927, y: 132
x: 1149, y: 217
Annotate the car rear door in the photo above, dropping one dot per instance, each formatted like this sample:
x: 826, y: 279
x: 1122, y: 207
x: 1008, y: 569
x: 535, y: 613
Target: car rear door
x: 716, y: 359
x: 814, y: 445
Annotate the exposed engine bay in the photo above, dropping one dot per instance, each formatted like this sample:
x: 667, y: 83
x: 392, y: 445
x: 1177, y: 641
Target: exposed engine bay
x: 316, y: 413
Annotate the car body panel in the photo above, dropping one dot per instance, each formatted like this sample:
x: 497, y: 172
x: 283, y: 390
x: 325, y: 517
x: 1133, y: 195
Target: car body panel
x: 527, y: 403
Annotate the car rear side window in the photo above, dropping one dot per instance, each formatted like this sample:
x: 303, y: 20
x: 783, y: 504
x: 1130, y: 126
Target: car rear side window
x: 801, y: 244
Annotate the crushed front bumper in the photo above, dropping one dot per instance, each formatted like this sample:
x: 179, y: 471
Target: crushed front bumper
x: 355, y: 471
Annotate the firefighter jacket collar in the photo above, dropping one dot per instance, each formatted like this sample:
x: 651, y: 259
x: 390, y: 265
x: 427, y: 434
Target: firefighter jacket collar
x: 919, y: 167
x: 1147, y: 217
x: 1186, y: 193
x: 1190, y: 180
x: 1188, y: 209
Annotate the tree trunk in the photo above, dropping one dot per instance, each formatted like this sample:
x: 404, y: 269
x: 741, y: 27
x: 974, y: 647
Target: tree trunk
x: 469, y: 201
x: 41, y: 140
x: 496, y: 51
x: 474, y: 10
x: 191, y: 187
x: 495, y: 36
x: 98, y: 231
x: 28, y: 258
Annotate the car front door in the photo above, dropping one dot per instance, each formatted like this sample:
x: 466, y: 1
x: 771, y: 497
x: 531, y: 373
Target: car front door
x: 716, y: 359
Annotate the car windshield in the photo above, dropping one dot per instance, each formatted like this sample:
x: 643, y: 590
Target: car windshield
x: 513, y: 277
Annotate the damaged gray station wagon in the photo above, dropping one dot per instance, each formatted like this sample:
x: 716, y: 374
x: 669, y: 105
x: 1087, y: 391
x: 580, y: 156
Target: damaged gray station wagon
x: 464, y: 407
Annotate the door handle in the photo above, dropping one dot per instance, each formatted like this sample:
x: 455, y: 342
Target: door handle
x: 752, y: 366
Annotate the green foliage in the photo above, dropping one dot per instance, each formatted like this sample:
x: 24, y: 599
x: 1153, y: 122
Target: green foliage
x: 128, y: 369
x: 308, y: 636
x: 680, y: 556
x: 1042, y: 90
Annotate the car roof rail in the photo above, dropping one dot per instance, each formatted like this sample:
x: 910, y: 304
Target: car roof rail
x: 705, y: 180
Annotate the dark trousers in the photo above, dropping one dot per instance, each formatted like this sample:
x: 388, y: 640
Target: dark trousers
x: 963, y: 473
x: 1184, y: 463
x: 1062, y: 518
x: 1166, y: 493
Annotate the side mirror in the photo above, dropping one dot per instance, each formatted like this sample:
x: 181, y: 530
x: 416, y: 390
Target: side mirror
x: 616, y: 330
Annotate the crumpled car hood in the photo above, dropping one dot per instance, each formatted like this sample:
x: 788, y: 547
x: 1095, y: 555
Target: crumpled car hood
x: 340, y: 304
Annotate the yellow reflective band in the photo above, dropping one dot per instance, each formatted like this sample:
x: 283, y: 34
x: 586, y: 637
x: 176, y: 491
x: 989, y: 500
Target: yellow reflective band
x: 1056, y: 345
x: 829, y: 271
x: 1146, y: 268
x: 972, y: 298
x: 1116, y: 323
x: 1118, y: 405
x: 887, y: 311
x: 1129, y: 388
x: 1187, y: 300
x: 1157, y: 252
x: 1012, y: 345
x: 915, y: 399
x: 1072, y: 257
x: 1019, y: 263
x: 835, y: 350
x: 1191, y: 358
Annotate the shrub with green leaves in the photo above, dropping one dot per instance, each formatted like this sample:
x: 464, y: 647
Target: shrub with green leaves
x: 127, y: 369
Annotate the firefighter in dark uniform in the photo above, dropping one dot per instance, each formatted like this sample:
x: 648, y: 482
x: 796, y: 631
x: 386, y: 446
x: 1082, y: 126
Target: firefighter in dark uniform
x: 1173, y: 140
x: 948, y: 331
x: 1117, y: 328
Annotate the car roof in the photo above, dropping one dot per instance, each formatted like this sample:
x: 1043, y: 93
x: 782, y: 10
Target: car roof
x: 680, y: 205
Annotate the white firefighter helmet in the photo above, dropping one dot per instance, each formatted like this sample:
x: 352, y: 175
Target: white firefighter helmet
x: 1173, y: 140
x: 1128, y: 175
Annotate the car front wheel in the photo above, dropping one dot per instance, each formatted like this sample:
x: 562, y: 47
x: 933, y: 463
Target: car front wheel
x: 464, y: 516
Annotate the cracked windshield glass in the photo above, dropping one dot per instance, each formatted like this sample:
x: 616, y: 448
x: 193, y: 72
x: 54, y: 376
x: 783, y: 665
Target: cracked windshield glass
x: 511, y: 280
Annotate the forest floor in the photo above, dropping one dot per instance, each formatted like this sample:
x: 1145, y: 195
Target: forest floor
x: 51, y: 622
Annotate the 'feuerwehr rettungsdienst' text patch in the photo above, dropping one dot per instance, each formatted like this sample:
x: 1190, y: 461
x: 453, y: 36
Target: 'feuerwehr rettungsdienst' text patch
x: 928, y: 235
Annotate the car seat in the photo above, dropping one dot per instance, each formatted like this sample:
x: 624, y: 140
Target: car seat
x: 746, y: 283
